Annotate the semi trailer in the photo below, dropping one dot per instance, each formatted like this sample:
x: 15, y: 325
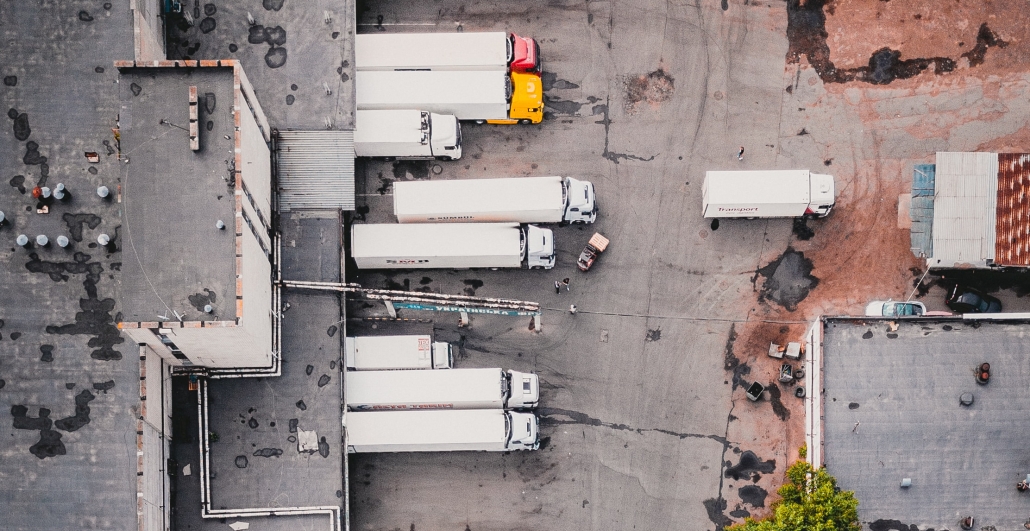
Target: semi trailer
x: 480, y: 95
x: 519, y: 199
x: 441, y: 430
x: 455, y: 389
x: 407, y: 134
x: 451, y: 246
x: 385, y: 353
x: 493, y: 50
x: 767, y: 194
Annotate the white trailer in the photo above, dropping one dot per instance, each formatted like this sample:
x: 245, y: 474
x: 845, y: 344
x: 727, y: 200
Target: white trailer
x: 407, y: 134
x: 767, y: 194
x: 451, y: 246
x: 493, y: 50
x: 441, y: 430
x: 519, y: 199
x: 387, y: 353
x: 476, y: 95
x: 456, y: 389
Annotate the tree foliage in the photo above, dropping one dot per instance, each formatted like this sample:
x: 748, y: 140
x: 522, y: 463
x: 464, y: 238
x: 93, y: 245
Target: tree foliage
x: 810, y: 501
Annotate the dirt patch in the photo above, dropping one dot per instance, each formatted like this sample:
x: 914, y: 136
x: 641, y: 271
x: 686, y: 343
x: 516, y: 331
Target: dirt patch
x: 788, y: 280
x: 653, y: 88
x: 982, y: 37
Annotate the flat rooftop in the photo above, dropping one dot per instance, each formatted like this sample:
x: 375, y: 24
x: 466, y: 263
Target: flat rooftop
x: 892, y: 411
x: 69, y: 383
x: 291, y: 53
x: 176, y: 259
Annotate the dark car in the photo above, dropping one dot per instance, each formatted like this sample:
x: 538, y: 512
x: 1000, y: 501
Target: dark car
x: 969, y: 300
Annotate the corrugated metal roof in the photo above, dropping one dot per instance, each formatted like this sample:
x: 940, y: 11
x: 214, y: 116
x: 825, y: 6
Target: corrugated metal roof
x: 965, y: 195
x: 1012, y: 246
x: 921, y: 209
x: 316, y: 170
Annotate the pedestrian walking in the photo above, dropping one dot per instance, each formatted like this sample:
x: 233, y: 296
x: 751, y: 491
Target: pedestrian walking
x: 572, y: 309
x: 557, y: 287
x: 565, y: 282
x: 740, y: 154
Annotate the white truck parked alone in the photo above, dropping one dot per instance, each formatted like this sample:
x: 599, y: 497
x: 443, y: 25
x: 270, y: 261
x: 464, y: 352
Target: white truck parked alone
x: 441, y: 430
x: 519, y: 199
x: 451, y: 245
x: 767, y: 194
x: 385, y: 353
x: 407, y: 134
x: 455, y: 389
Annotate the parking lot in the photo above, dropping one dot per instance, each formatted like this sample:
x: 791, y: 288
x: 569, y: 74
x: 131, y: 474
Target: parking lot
x: 644, y: 419
x: 638, y: 413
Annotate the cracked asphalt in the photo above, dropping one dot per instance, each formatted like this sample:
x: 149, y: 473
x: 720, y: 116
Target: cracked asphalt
x: 643, y: 414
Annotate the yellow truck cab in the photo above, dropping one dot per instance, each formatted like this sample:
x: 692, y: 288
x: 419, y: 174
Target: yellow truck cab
x: 526, y: 103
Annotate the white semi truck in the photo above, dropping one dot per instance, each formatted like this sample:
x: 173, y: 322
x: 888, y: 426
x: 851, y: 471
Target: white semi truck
x: 441, y: 430
x: 455, y: 389
x: 519, y: 199
x: 451, y: 246
x: 407, y: 134
x: 767, y: 194
x: 387, y: 353
x: 481, y: 95
x: 491, y: 50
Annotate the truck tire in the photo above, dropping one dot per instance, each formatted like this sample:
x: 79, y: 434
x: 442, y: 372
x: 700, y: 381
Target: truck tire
x: 445, y: 158
x: 525, y: 121
x: 480, y: 122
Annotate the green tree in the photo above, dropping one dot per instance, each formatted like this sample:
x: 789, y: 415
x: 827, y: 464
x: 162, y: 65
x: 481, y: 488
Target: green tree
x: 810, y: 501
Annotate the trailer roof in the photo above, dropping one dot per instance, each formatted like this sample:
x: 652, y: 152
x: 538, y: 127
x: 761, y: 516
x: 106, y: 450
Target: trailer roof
x: 423, y: 88
x: 380, y: 387
x: 389, y: 126
x: 758, y: 187
x: 456, y: 197
x: 435, y: 239
x: 386, y: 51
x: 469, y: 426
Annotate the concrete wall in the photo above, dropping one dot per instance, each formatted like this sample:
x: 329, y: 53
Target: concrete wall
x: 255, y: 168
x: 147, y: 30
x: 154, y: 428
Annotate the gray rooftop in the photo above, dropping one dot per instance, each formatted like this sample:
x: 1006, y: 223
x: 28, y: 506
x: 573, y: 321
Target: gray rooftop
x: 176, y: 260
x: 290, y: 53
x: 892, y: 411
x: 68, y: 382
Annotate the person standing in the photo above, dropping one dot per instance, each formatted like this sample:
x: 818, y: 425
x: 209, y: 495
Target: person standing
x: 573, y: 309
x: 740, y: 154
x: 557, y: 287
x: 565, y: 282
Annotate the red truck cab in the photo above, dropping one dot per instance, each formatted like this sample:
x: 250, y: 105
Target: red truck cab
x: 525, y: 54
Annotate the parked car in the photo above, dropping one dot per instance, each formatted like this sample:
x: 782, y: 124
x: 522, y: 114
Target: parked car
x: 968, y: 300
x: 889, y: 308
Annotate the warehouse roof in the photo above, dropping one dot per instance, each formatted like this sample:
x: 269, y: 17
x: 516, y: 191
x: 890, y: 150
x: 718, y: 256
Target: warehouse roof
x: 892, y: 410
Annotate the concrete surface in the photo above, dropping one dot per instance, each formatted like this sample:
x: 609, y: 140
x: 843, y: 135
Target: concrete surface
x: 69, y: 385
x: 891, y: 402
x: 290, y: 54
x: 177, y: 259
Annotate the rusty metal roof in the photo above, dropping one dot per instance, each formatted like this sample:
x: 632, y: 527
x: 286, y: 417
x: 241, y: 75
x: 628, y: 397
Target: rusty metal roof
x: 1012, y: 241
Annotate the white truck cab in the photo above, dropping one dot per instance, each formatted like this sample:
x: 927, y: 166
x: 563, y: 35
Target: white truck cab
x: 580, y: 202
x: 523, y: 431
x: 538, y: 247
x: 523, y: 390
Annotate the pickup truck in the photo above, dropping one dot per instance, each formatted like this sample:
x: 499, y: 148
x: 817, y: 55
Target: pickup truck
x: 594, y: 248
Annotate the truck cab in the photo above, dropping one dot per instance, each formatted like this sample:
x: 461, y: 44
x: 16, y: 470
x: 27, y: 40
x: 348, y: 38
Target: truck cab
x: 523, y: 431
x: 822, y: 198
x: 525, y: 99
x: 580, y: 204
x: 523, y: 54
x: 538, y: 247
x: 522, y: 389
x: 444, y: 135
x: 443, y: 358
